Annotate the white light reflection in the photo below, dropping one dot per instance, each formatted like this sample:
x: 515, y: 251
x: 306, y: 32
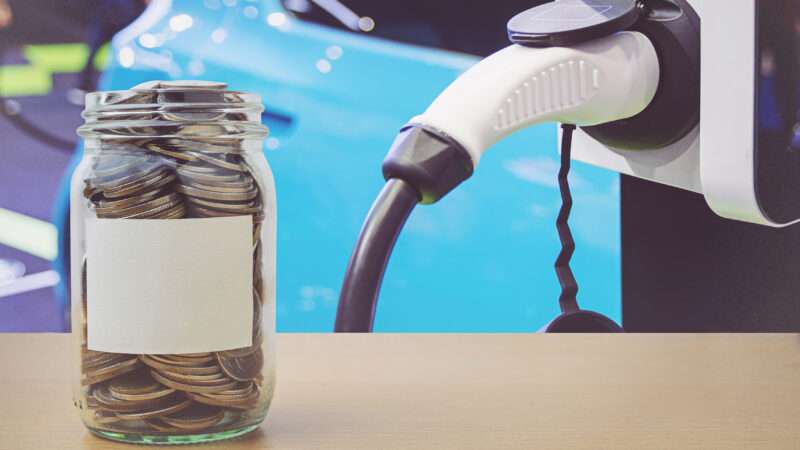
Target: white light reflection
x: 181, y: 22
x: 148, y: 40
x: 219, y: 35
x: 32, y: 282
x: 334, y: 52
x: 229, y: 3
x: 276, y: 19
x: 10, y: 270
x: 126, y: 57
x: 196, y: 68
x: 251, y: 12
x: 324, y: 66
x: 273, y: 143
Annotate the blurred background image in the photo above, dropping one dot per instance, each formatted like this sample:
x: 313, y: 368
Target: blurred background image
x: 338, y: 79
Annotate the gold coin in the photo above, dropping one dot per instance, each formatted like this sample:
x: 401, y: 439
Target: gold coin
x: 191, y: 370
x: 135, y: 384
x: 104, y: 373
x: 186, y: 362
x: 177, y: 403
x: 93, y: 360
x: 162, y: 391
x: 245, y: 400
x: 190, y: 360
x: 241, y: 389
x: 241, y: 368
x: 106, y: 400
x: 196, y: 417
x: 196, y: 380
x: 192, y: 388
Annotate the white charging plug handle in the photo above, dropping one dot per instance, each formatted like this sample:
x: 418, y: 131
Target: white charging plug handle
x: 596, y: 82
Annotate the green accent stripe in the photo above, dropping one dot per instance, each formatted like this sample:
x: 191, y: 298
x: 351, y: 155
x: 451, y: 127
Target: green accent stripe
x: 64, y: 58
x: 28, y: 234
x: 101, y: 58
x: 57, y: 57
x: 22, y: 80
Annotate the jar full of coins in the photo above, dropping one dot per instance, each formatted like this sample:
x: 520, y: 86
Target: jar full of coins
x: 173, y: 264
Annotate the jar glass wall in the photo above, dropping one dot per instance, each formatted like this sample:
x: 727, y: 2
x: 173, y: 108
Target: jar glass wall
x: 173, y: 265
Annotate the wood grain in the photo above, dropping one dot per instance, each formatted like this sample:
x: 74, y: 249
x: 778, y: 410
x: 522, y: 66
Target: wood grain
x: 394, y: 391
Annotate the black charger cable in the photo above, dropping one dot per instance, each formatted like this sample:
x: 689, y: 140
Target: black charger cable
x: 568, y: 300
x: 573, y: 319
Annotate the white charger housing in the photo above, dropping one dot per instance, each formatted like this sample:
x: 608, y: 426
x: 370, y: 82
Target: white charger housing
x: 723, y: 156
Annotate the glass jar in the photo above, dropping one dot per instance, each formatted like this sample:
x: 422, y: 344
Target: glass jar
x: 173, y: 264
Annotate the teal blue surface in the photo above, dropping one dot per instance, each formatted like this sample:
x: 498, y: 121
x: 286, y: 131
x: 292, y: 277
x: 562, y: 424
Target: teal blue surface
x: 481, y: 260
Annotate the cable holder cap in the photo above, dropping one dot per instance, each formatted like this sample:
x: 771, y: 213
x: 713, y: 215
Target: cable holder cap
x: 563, y: 23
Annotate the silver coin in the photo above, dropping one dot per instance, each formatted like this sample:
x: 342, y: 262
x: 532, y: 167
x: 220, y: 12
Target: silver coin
x: 215, y: 195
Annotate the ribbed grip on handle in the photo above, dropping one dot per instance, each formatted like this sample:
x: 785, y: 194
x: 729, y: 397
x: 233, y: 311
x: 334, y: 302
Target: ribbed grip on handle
x: 600, y: 81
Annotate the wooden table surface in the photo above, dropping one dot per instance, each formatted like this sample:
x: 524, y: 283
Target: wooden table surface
x: 394, y: 391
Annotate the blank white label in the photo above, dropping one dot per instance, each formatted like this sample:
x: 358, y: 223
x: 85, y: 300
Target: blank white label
x: 169, y: 286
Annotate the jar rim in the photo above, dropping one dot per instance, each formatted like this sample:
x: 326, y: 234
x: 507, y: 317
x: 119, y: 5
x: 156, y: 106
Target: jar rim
x: 156, y: 104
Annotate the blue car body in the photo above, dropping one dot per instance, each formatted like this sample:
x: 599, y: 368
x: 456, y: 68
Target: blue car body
x: 481, y: 260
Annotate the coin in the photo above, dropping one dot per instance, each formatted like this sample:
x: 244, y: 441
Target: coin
x: 207, y: 174
x: 126, y: 202
x: 178, y: 402
x: 132, y: 211
x: 238, y: 398
x: 173, y: 361
x: 216, y: 195
x: 193, y: 358
x: 106, y: 400
x: 137, y: 386
x: 183, y: 156
x: 104, y: 417
x: 243, y: 185
x: 106, y: 372
x: 145, y: 184
x: 159, y: 364
x: 92, y: 359
x: 220, y: 162
x: 241, y: 368
x: 145, y: 170
x: 195, y: 417
x: 240, y: 208
x: 190, y: 387
x: 214, y: 379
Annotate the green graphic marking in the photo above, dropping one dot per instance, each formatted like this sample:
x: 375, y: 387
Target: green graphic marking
x: 36, y: 78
